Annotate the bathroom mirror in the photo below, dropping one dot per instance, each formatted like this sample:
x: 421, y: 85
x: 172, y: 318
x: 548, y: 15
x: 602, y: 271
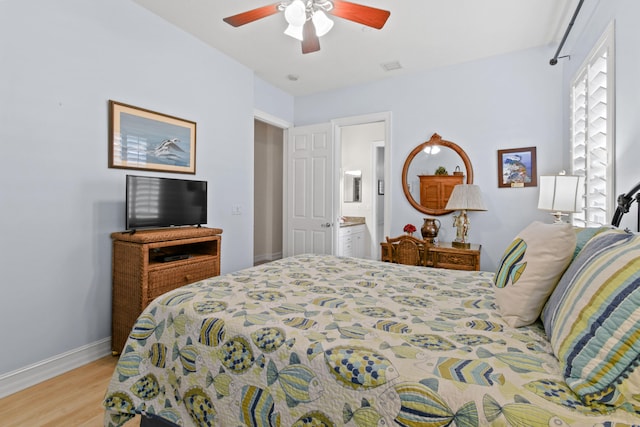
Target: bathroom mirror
x: 353, y: 186
x: 440, y: 161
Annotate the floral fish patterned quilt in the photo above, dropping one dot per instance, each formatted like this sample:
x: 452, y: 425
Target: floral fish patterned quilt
x: 318, y: 340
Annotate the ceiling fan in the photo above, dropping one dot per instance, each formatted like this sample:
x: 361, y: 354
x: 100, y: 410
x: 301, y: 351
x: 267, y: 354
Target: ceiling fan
x: 308, y: 20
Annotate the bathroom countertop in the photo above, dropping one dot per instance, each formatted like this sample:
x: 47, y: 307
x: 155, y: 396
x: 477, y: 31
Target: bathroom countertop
x: 350, y: 221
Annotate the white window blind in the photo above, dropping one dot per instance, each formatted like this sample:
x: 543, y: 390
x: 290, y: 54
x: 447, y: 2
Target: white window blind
x: 592, y: 138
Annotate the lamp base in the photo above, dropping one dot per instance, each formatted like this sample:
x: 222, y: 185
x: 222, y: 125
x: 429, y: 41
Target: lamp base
x: 461, y: 222
x: 558, y: 215
x: 463, y: 245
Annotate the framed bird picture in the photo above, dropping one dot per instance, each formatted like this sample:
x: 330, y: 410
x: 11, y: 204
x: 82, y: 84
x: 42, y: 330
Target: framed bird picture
x: 517, y: 168
x: 146, y: 140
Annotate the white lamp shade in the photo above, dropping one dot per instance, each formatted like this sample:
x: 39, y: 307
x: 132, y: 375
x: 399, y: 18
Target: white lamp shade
x: 322, y: 23
x: 467, y: 197
x: 561, y: 193
x: 295, y: 32
x: 296, y: 13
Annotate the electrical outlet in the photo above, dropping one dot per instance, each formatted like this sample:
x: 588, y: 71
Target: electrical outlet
x: 236, y: 210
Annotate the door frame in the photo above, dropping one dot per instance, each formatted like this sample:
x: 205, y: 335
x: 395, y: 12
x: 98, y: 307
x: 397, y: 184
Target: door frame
x: 375, y: 238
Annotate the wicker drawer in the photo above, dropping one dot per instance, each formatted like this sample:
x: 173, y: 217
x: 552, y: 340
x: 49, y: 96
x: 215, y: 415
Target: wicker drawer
x: 166, y: 279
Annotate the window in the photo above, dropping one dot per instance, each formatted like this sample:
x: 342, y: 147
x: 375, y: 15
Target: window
x: 592, y: 132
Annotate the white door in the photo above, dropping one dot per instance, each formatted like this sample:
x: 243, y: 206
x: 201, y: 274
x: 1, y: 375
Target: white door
x: 310, y: 190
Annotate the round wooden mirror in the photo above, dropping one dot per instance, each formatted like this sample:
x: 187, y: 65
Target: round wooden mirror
x: 431, y: 171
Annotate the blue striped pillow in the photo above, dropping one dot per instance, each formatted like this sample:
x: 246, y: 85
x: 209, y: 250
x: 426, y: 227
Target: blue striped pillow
x: 593, y: 321
x: 584, y: 234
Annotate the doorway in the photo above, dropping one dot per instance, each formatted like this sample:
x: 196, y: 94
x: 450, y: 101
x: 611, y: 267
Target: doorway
x: 267, y: 192
x: 375, y: 129
x: 277, y: 220
x: 362, y: 163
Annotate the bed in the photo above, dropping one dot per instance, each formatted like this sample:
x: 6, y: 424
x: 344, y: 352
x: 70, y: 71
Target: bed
x: 319, y: 340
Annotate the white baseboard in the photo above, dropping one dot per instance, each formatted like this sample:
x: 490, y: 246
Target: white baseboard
x: 27, y: 376
x: 266, y: 257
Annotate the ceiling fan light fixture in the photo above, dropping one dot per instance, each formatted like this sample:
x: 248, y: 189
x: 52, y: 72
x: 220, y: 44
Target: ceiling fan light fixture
x: 295, y: 32
x: 307, y: 20
x: 296, y: 13
x: 322, y: 23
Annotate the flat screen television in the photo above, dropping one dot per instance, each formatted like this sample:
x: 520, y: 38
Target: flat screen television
x: 153, y: 202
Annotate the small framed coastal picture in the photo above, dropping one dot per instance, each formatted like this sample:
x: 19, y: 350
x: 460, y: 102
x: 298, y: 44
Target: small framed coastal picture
x: 517, y: 168
x: 147, y: 140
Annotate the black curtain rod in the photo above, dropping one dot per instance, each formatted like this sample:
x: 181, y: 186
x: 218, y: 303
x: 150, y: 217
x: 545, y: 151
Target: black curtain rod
x: 554, y: 60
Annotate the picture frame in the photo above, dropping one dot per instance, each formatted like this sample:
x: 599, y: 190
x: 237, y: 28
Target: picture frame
x: 517, y: 168
x: 147, y: 140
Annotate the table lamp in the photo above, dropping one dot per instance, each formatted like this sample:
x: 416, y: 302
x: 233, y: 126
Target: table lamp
x: 561, y: 194
x: 464, y: 197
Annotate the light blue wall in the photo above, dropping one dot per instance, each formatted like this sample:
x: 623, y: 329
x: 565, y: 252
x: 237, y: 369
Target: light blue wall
x: 503, y: 102
x: 60, y: 63
x: 273, y: 101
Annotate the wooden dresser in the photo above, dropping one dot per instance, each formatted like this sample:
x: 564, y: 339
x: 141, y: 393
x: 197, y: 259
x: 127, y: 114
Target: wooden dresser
x: 148, y: 263
x: 444, y: 255
x: 435, y: 190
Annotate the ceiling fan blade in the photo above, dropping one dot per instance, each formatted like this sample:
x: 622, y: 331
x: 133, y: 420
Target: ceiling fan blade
x: 252, y: 15
x: 365, y: 15
x: 310, y: 41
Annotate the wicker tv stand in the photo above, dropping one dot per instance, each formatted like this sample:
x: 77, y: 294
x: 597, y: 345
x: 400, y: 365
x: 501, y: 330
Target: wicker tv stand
x: 148, y: 263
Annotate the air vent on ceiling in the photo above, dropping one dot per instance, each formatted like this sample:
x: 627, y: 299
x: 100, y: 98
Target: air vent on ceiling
x: 390, y: 66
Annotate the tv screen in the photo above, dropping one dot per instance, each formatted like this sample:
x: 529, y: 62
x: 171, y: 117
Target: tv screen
x: 153, y: 202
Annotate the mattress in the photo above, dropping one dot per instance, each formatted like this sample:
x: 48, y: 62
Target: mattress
x: 319, y: 340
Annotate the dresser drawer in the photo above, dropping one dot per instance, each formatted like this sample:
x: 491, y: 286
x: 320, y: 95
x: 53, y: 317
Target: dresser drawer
x: 346, y: 231
x: 456, y: 261
x: 346, y: 248
x: 166, y: 279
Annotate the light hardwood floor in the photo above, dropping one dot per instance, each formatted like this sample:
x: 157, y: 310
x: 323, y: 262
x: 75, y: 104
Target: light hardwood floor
x: 73, y: 399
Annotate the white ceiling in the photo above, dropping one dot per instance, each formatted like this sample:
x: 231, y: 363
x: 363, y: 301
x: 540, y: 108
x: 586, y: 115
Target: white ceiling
x: 420, y: 34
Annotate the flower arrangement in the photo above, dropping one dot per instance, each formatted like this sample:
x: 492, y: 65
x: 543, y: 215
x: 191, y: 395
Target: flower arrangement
x: 409, y: 229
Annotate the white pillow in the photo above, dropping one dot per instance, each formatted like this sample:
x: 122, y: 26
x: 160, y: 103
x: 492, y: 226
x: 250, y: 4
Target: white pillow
x: 530, y: 269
